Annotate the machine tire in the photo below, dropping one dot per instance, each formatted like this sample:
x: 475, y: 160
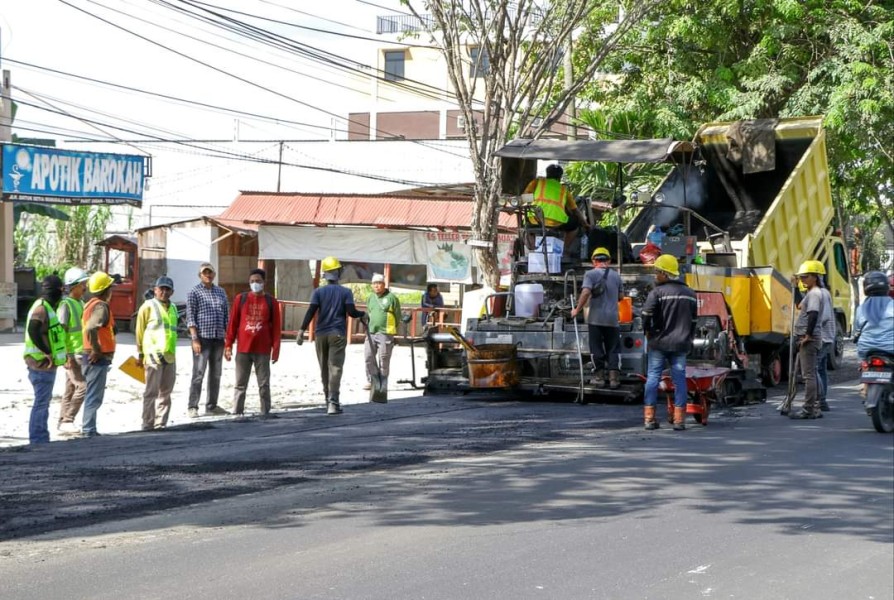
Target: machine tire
x: 882, y: 413
x: 837, y: 355
x: 774, y: 372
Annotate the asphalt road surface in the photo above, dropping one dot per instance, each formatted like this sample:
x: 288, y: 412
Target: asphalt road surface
x: 455, y: 498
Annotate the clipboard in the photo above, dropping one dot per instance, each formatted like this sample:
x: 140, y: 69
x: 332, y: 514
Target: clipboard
x: 131, y: 368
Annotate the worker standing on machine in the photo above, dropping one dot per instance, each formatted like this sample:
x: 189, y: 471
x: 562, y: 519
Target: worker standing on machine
x: 602, y: 288
x: 669, y: 319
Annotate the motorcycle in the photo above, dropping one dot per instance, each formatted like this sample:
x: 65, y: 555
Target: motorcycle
x: 878, y: 375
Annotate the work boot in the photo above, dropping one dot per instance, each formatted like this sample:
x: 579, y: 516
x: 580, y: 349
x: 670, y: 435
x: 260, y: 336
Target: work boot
x: 679, y: 418
x: 333, y: 407
x: 649, y: 418
x: 614, y: 379
x: 598, y: 378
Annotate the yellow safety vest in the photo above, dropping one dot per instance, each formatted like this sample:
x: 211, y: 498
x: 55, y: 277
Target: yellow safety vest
x: 548, y: 196
x: 160, y: 336
x: 75, y: 339
x: 56, y: 336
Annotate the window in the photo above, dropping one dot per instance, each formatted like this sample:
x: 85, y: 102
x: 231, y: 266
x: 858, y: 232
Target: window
x: 480, y: 62
x: 394, y: 65
x: 841, y: 261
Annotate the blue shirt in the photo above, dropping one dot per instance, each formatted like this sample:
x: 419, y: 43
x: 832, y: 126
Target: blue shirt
x: 333, y: 303
x: 875, y: 321
x: 208, y: 311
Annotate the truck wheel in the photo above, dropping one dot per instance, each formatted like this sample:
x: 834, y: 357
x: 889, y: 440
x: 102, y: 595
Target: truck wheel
x: 836, y: 356
x: 773, y: 372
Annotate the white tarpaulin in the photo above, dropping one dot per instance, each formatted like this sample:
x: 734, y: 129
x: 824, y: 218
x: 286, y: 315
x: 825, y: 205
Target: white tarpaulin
x: 445, y: 254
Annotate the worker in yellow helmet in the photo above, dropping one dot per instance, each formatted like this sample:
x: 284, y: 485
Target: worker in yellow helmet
x: 808, y: 334
x: 602, y: 290
x: 669, y: 319
x: 98, y: 328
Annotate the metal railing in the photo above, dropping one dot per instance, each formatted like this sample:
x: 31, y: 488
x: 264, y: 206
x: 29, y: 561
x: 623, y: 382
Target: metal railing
x: 403, y: 23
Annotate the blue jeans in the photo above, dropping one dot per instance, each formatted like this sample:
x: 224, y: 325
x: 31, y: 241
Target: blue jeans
x: 95, y: 374
x: 655, y: 369
x: 822, y: 363
x: 42, y: 382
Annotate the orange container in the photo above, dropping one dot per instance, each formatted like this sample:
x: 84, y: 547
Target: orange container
x: 625, y: 309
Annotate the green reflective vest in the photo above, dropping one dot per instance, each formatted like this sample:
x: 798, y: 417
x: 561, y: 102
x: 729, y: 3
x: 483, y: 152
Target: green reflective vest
x: 548, y: 196
x: 75, y: 340
x: 160, y: 336
x: 56, y: 335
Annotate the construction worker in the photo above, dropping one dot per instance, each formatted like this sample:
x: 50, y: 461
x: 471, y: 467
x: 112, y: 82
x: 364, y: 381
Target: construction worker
x: 384, y: 317
x: 556, y: 203
x: 156, y: 333
x: 808, y: 332
x: 334, y: 303
x: 98, y: 326
x: 71, y: 309
x: 45, y: 350
x: 602, y: 289
x: 829, y: 332
x: 669, y: 319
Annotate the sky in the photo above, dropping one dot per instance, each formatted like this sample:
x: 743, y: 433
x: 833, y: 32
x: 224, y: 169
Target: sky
x: 64, y: 54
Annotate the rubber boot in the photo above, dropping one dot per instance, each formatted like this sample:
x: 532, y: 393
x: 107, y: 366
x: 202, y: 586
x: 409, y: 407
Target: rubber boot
x: 333, y: 407
x: 598, y: 379
x: 649, y: 417
x: 614, y: 379
x: 679, y: 418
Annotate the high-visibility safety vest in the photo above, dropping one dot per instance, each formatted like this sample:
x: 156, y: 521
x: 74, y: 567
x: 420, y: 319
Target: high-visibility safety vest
x: 75, y: 312
x: 106, y: 335
x: 160, y: 336
x: 56, y: 335
x: 548, y: 196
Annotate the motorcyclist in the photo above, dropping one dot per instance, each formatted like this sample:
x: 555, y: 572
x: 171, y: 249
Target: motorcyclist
x: 875, y: 317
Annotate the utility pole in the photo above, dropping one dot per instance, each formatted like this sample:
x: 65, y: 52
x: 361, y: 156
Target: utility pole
x: 279, y: 170
x: 8, y: 292
x: 569, y: 81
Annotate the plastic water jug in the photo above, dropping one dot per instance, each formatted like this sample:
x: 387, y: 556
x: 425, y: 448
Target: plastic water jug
x: 528, y: 298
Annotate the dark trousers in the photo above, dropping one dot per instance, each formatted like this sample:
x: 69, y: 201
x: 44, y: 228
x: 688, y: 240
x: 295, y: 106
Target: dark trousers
x: 331, y: 356
x: 244, y: 362
x: 822, y: 366
x: 210, y: 359
x: 809, y: 351
x: 604, y: 343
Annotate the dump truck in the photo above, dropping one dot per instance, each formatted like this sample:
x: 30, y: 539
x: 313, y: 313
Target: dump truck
x: 764, y: 186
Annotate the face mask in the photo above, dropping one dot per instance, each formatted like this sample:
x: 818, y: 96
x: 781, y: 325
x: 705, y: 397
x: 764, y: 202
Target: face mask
x: 54, y: 296
x: 256, y: 287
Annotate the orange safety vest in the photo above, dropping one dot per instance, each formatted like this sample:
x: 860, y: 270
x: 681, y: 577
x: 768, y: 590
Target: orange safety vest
x: 106, y: 335
x: 548, y: 196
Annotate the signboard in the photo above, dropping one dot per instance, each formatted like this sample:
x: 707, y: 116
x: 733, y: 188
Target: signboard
x: 448, y: 256
x: 53, y: 176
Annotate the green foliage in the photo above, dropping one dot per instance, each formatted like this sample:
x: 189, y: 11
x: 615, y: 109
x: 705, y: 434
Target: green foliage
x: 52, y: 246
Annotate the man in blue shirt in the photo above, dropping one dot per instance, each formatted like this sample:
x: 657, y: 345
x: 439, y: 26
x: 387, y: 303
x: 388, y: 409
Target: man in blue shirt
x: 334, y: 303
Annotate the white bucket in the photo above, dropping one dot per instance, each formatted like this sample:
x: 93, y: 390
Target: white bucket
x: 528, y: 298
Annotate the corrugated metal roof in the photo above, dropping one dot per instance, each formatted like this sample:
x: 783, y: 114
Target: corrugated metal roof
x: 353, y: 209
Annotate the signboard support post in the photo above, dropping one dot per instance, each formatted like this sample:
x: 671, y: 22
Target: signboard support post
x: 7, y: 258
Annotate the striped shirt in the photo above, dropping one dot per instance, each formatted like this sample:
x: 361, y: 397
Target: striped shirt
x: 208, y: 311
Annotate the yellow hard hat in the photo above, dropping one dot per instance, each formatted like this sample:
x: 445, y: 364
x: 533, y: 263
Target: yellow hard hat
x: 668, y: 264
x: 99, y: 282
x: 811, y: 267
x: 602, y: 253
x: 330, y: 263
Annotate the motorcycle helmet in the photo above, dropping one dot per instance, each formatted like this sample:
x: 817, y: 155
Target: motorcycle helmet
x: 875, y: 283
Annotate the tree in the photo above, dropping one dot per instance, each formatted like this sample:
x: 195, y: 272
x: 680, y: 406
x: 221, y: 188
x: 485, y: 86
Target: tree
x: 517, y: 49
x: 50, y: 244
x: 743, y: 59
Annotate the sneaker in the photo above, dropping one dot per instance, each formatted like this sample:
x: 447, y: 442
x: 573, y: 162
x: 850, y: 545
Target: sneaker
x: 333, y: 409
x: 803, y: 414
x: 68, y: 429
x: 215, y: 410
x: 193, y: 413
x: 367, y: 386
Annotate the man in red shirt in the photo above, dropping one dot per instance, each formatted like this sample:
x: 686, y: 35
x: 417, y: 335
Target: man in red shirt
x: 255, y: 325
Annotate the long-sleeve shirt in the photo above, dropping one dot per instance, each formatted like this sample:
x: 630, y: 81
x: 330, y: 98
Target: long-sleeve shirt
x: 669, y: 316
x: 208, y: 311
x: 252, y: 326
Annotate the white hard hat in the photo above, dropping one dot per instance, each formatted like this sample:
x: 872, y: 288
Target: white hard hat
x: 75, y: 275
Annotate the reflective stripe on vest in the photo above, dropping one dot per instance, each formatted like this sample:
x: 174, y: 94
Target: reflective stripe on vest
x: 55, y: 335
x: 161, y: 330
x: 75, y: 312
x: 105, y: 335
x: 548, y: 196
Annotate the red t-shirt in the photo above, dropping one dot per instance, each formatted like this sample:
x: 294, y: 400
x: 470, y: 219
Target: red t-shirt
x: 252, y: 327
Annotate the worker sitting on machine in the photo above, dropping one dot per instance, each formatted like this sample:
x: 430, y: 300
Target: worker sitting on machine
x: 555, y: 202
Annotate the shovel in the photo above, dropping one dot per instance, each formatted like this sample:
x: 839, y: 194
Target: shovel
x: 459, y: 338
x: 793, y: 361
x: 378, y: 385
